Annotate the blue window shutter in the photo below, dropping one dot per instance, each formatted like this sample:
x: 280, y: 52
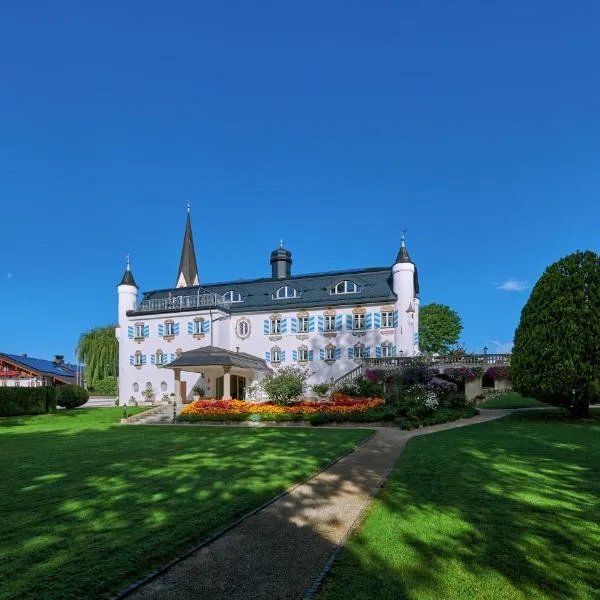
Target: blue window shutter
x: 294, y: 354
x: 143, y: 359
x: 266, y: 327
x: 338, y: 322
x: 348, y: 322
x: 190, y: 327
x: 152, y: 359
x: 205, y: 326
x: 130, y: 332
x: 131, y: 359
x: 161, y: 329
x: 394, y: 350
x: 172, y: 358
x: 416, y: 338
x: 322, y: 354
x: 368, y: 320
x: 282, y: 355
x: 268, y: 356
x: 350, y: 352
x: 377, y: 320
x: 311, y: 323
x: 377, y: 351
x: 366, y: 352
x: 294, y: 325
x: 338, y: 353
x: 310, y: 355
x: 321, y: 322
x: 146, y: 330
x: 395, y: 317
x: 176, y: 328
x: 283, y: 326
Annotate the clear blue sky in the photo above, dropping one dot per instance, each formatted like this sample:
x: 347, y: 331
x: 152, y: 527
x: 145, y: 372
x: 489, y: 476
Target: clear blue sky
x: 331, y: 124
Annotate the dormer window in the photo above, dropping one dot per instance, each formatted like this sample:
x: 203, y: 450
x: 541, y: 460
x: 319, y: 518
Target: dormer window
x: 232, y: 296
x: 287, y: 291
x: 345, y: 287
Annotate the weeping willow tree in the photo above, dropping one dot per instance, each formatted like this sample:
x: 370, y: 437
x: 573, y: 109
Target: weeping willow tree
x: 98, y: 351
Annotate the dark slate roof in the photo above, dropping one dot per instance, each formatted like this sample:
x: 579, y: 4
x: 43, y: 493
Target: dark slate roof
x: 128, y: 278
x: 187, y: 263
x: 403, y: 256
x: 65, y: 372
x: 375, y: 283
x: 212, y: 355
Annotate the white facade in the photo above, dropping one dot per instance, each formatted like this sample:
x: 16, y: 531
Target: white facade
x: 371, y: 328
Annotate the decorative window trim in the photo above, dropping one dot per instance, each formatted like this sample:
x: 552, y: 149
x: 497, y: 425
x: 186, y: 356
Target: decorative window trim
x: 136, y: 326
x: 360, y: 347
x: 276, y: 352
x: 358, y: 321
x: 137, y: 361
x: 240, y: 322
x: 303, y: 349
x: 168, y: 337
x: 198, y: 335
x: 359, y: 310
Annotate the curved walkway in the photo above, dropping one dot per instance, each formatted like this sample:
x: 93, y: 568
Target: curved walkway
x: 280, y: 551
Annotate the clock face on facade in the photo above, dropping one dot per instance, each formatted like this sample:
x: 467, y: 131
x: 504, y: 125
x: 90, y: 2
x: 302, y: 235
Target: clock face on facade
x: 242, y: 329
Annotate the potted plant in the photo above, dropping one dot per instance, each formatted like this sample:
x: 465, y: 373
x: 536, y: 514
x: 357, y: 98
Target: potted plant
x: 198, y: 392
x: 148, y: 394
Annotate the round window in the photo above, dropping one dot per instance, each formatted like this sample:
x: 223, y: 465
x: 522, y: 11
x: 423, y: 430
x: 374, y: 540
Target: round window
x: 243, y: 328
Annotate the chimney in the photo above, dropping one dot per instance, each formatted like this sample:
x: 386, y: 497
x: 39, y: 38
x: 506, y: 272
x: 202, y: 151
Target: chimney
x: 59, y: 360
x: 24, y: 355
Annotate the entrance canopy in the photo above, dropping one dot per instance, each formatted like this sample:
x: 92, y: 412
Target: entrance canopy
x: 214, y: 363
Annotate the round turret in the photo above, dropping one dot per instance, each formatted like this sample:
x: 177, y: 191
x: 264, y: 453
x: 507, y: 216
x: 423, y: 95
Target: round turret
x: 281, y: 263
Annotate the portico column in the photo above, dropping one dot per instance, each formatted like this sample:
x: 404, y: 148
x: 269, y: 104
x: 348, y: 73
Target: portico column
x: 227, y: 383
x: 178, y: 386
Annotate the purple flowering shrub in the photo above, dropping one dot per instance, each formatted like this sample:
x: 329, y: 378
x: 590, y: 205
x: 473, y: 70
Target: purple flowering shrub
x: 442, y: 388
x: 498, y: 372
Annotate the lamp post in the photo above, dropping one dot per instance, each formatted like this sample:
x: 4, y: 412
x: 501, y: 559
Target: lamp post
x: 485, y: 349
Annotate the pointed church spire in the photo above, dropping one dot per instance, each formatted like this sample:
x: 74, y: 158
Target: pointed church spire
x: 187, y: 275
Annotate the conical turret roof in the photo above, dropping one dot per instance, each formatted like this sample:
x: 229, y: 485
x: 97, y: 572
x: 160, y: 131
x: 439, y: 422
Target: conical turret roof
x: 187, y: 275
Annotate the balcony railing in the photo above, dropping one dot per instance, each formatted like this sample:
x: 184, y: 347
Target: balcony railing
x: 201, y: 299
x: 445, y: 359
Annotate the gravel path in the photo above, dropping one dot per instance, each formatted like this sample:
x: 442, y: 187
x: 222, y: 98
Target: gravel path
x: 280, y: 551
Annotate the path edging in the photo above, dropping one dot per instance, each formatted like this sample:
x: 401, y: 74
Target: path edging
x: 198, y: 546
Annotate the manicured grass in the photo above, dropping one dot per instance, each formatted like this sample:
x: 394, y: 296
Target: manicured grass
x: 88, y: 505
x: 512, y: 400
x: 508, y: 510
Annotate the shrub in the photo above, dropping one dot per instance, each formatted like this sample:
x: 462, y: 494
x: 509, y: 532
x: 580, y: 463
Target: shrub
x: 463, y: 374
x: 321, y: 389
x: 556, y: 355
x: 16, y: 401
x: 442, y: 388
x: 417, y: 402
x: 286, y: 384
x: 498, y: 372
x: 360, y: 388
x: 71, y: 396
x: 106, y: 386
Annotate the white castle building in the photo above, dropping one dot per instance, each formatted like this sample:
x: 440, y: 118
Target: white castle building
x: 221, y: 336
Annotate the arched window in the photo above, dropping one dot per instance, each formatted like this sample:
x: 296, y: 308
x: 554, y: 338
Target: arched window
x: 345, y: 287
x: 232, y: 296
x: 136, y: 387
x: 276, y: 354
x: 287, y: 291
x: 163, y: 386
x: 359, y: 351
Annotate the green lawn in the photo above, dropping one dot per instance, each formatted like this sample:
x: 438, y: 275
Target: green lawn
x: 512, y: 400
x: 506, y: 510
x: 88, y: 505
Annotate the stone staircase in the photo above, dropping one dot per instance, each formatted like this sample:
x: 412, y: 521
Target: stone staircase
x: 155, y: 416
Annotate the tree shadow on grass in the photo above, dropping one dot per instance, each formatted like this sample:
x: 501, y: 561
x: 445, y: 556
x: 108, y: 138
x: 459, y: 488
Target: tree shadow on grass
x: 86, y: 512
x: 503, y: 510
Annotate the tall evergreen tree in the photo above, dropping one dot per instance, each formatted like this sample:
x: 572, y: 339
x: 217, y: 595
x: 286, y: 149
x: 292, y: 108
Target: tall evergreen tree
x: 98, y: 350
x: 556, y: 355
x: 439, y: 328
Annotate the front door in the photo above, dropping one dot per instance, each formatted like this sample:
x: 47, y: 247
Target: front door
x: 183, y: 388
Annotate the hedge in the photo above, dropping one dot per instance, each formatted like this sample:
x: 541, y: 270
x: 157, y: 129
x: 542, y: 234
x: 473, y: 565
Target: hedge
x: 16, y: 401
x: 71, y: 396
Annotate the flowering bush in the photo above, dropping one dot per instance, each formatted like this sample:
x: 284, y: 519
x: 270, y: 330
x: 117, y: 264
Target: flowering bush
x: 419, y: 401
x: 442, y: 388
x: 286, y: 384
x: 339, y: 403
x: 463, y: 374
x: 498, y: 372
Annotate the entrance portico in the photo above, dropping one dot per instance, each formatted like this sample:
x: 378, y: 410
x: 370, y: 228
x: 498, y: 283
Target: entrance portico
x: 220, y: 369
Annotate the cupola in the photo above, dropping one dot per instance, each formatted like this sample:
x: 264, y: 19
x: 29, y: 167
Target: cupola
x: 281, y: 262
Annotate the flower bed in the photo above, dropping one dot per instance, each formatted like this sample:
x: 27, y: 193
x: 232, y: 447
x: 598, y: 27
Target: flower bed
x: 339, y: 404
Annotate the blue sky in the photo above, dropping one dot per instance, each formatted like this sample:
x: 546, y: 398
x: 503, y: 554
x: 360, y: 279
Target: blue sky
x: 330, y: 124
